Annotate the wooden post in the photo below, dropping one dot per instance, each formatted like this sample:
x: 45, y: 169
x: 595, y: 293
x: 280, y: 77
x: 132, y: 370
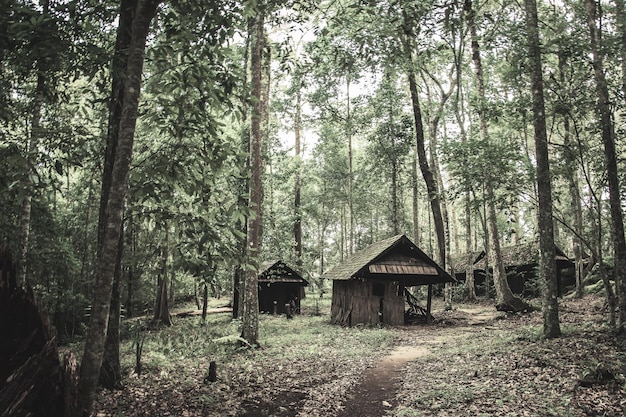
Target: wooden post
x: 212, y: 375
x: 429, y: 304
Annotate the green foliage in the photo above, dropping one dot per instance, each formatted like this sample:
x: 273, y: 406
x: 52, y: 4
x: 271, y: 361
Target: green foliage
x: 476, y: 162
x: 188, y: 180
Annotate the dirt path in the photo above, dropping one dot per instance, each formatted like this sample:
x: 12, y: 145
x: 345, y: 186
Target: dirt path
x: 376, y: 393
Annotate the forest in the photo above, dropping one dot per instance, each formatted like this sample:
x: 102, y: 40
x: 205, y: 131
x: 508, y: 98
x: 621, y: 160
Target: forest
x: 157, y: 153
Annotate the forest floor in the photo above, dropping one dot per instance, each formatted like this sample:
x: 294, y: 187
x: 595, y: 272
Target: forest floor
x: 473, y: 361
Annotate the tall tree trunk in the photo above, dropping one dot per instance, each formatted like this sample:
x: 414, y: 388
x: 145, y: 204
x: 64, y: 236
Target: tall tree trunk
x: 395, y: 205
x: 610, y: 157
x: 574, y: 190
x: 266, y: 73
x: 131, y: 245
x: 111, y: 376
x: 460, y: 118
x: 26, y: 208
x: 415, y: 197
x: 598, y: 255
x: 205, y: 301
x: 393, y: 159
x: 350, y: 243
x: 469, y: 269
x: 162, y: 305
x: 429, y: 178
x: 250, y: 325
x: 548, y: 272
x: 111, y: 370
x: 620, y: 16
x: 243, y: 200
x: 31, y: 149
x: 504, y: 295
x: 105, y: 267
x: 467, y: 206
x: 297, y: 224
x: 576, y: 207
x: 433, y: 128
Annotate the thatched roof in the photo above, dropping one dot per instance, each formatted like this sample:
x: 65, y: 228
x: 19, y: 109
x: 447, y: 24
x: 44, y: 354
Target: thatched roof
x: 279, y: 271
x: 397, y: 258
x: 525, y: 254
x: 460, y: 262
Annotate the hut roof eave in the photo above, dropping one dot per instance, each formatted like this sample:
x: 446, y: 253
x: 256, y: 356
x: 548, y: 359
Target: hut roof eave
x: 279, y: 271
x: 356, y: 266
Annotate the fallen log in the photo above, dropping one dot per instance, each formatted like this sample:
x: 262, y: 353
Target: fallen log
x: 191, y: 313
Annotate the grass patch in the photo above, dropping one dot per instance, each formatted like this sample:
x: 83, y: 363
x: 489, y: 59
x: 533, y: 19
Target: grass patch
x: 189, y: 342
x: 498, y: 367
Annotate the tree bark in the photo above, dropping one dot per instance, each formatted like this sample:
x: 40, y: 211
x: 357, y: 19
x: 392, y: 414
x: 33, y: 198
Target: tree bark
x: 205, y: 301
x: 548, y: 272
x: 111, y: 370
x: 297, y: 224
x: 31, y: 149
x: 243, y: 200
x: 610, y: 158
x: 574, y: 190
x: 433, y: 128
x: 469, y: 270
x: 576, y: 207
x: 350, y: 242
x: 95, y: 338
x: 131, y: 245
x: 111, y: 376
x: 162, y: 305
x: 415, y: 196
x: 620, y: 16
x: 250, y: 324
x: 504, y: 295
x: 427, y: 173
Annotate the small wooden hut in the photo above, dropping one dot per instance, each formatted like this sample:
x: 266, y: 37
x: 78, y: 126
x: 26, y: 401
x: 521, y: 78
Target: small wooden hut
x: 280, y: 285
x: 464, y: 262
x: 369, y: 286
x: 520, y: 263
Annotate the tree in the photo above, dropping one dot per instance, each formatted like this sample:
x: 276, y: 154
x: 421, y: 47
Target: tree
x: 110, y: 373
x: 162, y: 304
x: 96, y: 335
x: 297, y: 200
x: 429, y: 178
x: 504, y: 296
x: 610, y: 156
x: 42, y: 34
x: 434, y: 117
x: 551, y: 326
x: 250, y: 323
x: 390, y: 142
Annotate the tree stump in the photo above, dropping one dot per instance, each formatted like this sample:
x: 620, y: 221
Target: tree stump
x: 212, y: 375
x: 31, y: 375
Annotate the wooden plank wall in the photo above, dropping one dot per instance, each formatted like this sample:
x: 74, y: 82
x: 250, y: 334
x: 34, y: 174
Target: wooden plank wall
x: 353, y: 303
x: 393, y: 305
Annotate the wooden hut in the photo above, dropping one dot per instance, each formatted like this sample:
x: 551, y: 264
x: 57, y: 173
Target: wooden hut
x: 369, y: 286
x: 280, y: 285
x: 520, y: 263
x: 464, y: 262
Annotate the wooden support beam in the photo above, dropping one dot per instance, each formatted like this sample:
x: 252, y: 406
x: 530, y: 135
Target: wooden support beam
x: 429, y: 302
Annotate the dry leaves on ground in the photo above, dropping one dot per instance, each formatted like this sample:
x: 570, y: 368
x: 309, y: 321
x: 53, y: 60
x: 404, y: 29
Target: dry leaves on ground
x: 491, y: 366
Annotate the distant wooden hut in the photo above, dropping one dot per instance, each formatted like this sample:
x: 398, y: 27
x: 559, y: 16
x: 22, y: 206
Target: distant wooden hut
x: 520, y: 263
x: 461, y: 263
x: 279, y: 285
x: 369, y: 286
